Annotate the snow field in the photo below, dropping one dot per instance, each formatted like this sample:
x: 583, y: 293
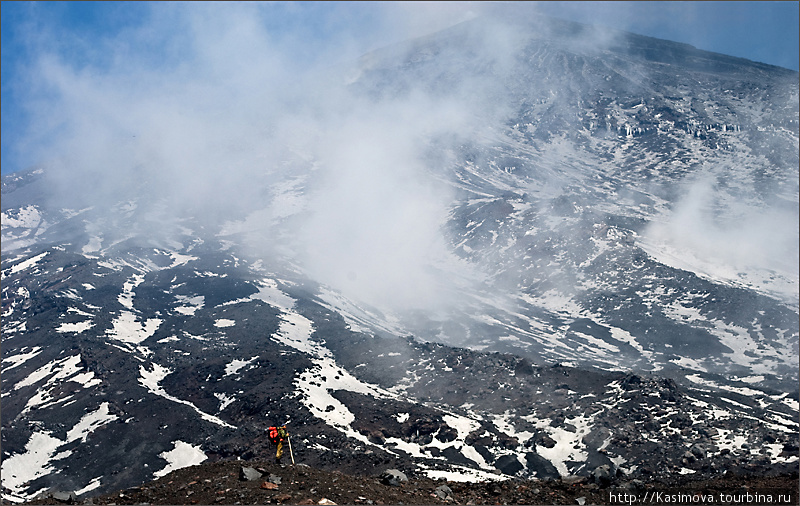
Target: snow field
x: 40, y: 452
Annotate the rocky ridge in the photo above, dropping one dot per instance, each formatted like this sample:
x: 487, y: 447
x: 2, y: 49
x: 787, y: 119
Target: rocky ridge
x: 265, y: 483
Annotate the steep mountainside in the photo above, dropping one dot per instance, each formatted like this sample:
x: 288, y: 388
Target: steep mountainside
x: 530, y: 250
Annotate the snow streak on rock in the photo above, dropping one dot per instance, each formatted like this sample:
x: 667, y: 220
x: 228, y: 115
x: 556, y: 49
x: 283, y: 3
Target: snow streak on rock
x: 151, y: 379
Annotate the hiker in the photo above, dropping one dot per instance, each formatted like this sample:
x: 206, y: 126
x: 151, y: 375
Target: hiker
x: 278, y: 435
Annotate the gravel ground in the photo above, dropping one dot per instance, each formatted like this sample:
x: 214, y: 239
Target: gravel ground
x: 225, y: 483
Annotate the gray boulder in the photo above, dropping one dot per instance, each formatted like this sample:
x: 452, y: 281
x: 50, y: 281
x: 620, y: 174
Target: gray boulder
x: 444, y: 492
x: 602, y: 475
x: 393, y: 477
x: 698, y: 451
x: 64, y: 497
x: 249, y: 474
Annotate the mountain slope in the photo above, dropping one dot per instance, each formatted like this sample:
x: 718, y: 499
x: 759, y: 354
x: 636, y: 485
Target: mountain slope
x: 504, y: 250
x: 625, y: 184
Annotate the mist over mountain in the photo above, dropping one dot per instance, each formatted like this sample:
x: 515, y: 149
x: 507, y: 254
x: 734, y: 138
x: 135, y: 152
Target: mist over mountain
x: 512, y: 248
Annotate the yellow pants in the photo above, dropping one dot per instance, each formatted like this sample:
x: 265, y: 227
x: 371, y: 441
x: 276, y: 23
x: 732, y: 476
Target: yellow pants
x: 279, y: 453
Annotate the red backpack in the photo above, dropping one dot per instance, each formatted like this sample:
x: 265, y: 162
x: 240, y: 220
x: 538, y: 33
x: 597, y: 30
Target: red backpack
x: 274, y: 434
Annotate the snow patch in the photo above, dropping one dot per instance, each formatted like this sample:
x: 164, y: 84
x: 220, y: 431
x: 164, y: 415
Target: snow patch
x: 77, y: 327
x: 22, y: 468
x: 27, y: 264
x: 463, y: 425
x: 90, y: 422
x: 569, y: 445
x: 178, y: 259
x: 295, y: 331
x: 182, y: 455
x: 66, y: 368
x: 224, y: 400
x: 93, y: 485
x: 25, y: 217
x: 190, y: 304
x: 126, y: 297
x: 128, y: 329
x: 463, y: 474
x: 20, y: 358
x: 269, y: 292
x: 236, y: 365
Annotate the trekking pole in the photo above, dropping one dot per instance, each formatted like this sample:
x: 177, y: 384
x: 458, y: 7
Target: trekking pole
x: 289, y: 440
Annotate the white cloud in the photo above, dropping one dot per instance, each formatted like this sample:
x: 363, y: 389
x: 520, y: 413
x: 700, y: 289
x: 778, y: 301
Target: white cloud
x: 231, y: 107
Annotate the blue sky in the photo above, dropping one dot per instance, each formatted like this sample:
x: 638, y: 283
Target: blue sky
x: 45, y: 44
